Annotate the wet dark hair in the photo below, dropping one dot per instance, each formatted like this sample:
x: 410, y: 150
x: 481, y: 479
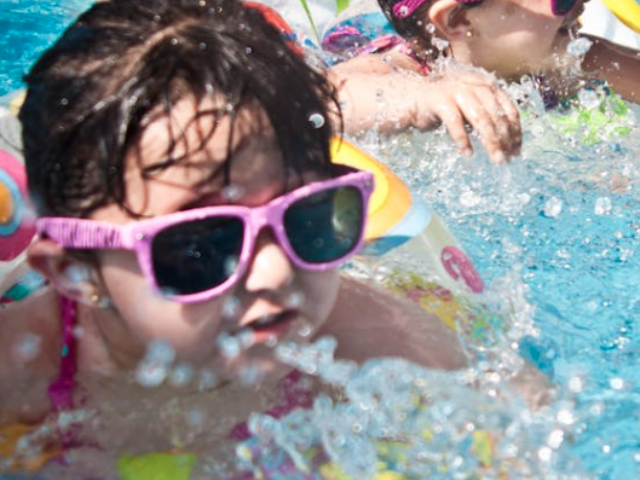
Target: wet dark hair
x: 90, y: 95
x: 413, y: 27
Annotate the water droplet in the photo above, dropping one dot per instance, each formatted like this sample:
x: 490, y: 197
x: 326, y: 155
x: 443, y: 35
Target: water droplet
x: 151, y: 374
x: 161, y: 351
x: 195, y: 417
x: 579, y: 47
x: 553, y: 207
x: 316, y: 120
x: 566, y: 417
x: 555, y: 439
x: 305, y: 330
x: 207, y: 380
x: 246, y: 339
x: 576, y: 384
x: 440, y: 44
x: 231, y: 308
x: 602, y: 206
x: 230, y: 265
x: 295, y: 300
x: 617, y: 383
x: 154, y: 367
x: 545, y: 454
x: 233, y: 193
x: 590, y: 98
x: 181, y: 375
x: 28, y: 347
x: 228, y: 345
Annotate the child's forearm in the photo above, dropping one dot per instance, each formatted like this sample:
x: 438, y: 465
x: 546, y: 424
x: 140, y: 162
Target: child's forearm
x: 618, y: 66
x: 389, y: 98
x: 375, y: 99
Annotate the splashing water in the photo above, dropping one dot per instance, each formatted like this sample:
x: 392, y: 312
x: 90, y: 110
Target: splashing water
x: 396, y: 418
x: 555, y: 234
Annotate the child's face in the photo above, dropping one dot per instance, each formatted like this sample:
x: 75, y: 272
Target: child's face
x: 516, y: 37
x: 272, y: 286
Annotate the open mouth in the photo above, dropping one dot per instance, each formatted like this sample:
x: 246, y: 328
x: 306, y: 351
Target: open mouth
x: 268, y: 327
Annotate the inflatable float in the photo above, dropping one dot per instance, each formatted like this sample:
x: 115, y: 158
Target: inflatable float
x: 627, y: 11
x: 17, y: 229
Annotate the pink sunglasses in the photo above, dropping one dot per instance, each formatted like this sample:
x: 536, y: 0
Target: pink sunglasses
x: 196, y: 255
x: 405, y: 8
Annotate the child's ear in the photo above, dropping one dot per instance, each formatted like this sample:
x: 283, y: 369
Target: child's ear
x: 450, y: 18
x: 72, y: 278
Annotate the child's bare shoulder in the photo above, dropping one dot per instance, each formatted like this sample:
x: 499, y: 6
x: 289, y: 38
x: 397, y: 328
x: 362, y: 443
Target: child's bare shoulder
x: 371, y: 322
x: 29, y: 355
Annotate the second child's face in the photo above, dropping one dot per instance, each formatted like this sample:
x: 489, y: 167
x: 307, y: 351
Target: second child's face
x: 517, y: 37
x: 271, y: 286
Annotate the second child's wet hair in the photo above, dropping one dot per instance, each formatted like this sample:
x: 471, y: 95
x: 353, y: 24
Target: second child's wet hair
x: 90, y: 95
x: 414, y: 27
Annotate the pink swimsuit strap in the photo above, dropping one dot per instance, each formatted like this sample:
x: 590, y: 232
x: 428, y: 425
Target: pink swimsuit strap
x: 386, y: 43
x: 61, y: 390
x: 294, y: 393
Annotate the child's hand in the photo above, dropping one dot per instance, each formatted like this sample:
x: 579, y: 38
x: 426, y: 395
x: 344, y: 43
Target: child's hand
x: 469, y: 98
x: 390, y: 98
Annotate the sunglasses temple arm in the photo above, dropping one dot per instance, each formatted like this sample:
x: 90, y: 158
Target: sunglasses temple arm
x: 82, y: 234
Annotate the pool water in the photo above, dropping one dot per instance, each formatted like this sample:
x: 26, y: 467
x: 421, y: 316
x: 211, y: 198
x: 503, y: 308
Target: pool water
x: 555, y: 236
x: 562, y: 223
x: 28, y: 27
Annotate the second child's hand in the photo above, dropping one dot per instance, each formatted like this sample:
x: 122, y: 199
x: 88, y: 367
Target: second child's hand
x: 375, y: 94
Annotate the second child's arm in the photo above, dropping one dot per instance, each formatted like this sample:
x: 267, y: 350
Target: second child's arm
x: 377, y: 92
x: 618, y: 66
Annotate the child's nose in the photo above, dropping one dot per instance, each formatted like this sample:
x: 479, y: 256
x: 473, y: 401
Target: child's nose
x: 270, y: 267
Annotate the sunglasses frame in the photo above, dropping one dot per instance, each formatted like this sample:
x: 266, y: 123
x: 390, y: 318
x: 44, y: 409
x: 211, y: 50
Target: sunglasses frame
x: 559, y: 13
x: 405, y: 8
x: 138, y: 236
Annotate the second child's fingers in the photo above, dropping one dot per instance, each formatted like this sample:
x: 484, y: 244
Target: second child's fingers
x: 474, y: 110
x: 501, y: 123
x: 515, y: 126
x: 454, y: 122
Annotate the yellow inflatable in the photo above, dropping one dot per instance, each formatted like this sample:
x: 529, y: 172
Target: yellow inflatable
x: 627, y: 11
x: 399, y: 218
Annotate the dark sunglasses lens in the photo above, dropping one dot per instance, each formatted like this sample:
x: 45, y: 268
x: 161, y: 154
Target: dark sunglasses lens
x: 562, y: 7
x: 196, y: 256
x: 325, y: 226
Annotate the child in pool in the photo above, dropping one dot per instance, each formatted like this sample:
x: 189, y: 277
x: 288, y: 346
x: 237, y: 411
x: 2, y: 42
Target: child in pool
x: 183, y: 195
x: 510, y: 38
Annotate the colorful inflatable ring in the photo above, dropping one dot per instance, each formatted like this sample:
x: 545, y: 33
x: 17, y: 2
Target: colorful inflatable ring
x: 10, y: 436
x: 627, y: 11
x: 16, y: 225
x: 275, y: 19
x: 157, y: 466
x: 397, y: 217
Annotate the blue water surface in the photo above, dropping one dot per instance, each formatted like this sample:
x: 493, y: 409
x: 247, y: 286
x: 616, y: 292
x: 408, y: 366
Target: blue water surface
x: 28, y: 27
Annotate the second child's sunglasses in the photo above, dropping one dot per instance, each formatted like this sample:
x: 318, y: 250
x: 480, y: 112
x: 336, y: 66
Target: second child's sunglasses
x: 198, y: 254
x: 405, y: 8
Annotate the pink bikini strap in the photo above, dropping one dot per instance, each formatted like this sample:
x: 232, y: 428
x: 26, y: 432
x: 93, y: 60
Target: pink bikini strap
x: 389, y: 42
x: 61, y: 391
